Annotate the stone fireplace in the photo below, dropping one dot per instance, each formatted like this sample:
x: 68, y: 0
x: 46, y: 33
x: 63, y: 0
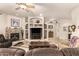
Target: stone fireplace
x: 35, y: 33
x: 14, y: 32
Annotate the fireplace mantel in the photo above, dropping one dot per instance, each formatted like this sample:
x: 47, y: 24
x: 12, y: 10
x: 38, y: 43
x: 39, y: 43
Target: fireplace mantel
x: 10, y: 30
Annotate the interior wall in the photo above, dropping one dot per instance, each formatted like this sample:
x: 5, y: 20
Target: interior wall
x: 22, y: 20
x: 75, y: 16
x: 5, y: 21
x: 63, y: 28
x: 75, y: 19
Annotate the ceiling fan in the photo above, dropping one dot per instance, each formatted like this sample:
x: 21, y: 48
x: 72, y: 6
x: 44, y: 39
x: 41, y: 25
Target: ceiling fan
x: 24, y: 6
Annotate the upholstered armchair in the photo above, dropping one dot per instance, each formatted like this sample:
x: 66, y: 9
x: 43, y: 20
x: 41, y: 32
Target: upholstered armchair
x: 44, y: 52
x: 53, y: 52
x: 39, y: 44
x: 4, y: 43
x: 12, y: 52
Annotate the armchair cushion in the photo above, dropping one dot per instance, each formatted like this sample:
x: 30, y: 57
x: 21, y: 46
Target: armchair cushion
x: 44, y: 52
x: 70, y: 51
x: 5, y: 43
x: 11, y: 52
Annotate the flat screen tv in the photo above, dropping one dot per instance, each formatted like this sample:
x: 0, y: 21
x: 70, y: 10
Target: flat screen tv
x: 36, y: 30
x: 36, y: 33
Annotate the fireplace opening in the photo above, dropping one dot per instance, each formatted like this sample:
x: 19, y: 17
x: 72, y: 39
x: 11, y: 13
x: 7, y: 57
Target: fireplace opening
x: 35, y: 33
x: 14, y: 36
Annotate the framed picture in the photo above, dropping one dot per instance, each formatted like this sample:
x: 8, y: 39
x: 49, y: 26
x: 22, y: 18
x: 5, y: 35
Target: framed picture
x: 15, y: 22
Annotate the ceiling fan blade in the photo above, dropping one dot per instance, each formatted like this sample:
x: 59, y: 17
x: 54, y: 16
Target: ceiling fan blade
x: 30, y: 6
x: 25, y: 4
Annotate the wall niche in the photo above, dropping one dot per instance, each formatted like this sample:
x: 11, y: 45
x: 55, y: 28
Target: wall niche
x: 50, y: 34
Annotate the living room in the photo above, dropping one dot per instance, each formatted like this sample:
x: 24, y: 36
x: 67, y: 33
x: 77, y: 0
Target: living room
x: 39, y: 27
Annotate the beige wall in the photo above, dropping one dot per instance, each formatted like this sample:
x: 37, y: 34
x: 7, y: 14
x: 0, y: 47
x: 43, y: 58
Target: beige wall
x: 75, y: 19
x: 75, y: 16
x: 5, y: 21
x: 63, y: 23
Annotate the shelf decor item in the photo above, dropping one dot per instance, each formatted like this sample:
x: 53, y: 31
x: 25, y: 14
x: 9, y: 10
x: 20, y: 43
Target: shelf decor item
x: 15, y: 22
x: 26, y: 34
x: 26, y: 26
x: 50, y: 26
x: 45, y: 26
x: 73, y: 27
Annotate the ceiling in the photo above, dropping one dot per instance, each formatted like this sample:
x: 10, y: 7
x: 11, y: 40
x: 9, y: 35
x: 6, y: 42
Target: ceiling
x: 57, y: 10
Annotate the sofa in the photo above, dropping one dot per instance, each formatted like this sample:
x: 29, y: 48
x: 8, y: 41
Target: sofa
x: 70, y: 51
x: 41, y: 44
x: 39, y: 52
x: 5, y: 43
x: 44, y: 52
x: 11, y: 52
x: 53, y: 52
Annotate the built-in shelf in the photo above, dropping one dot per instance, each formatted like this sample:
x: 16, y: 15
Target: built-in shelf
x: 38, y: 23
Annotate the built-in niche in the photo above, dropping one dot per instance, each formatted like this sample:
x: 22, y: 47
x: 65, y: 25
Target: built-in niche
x: 45, y: 26
x: 50, y: 34
x: 26, y: 34
x: 45, y: 31
x: 45, y: 34
x: 26, y: 26
x: 50, y: 29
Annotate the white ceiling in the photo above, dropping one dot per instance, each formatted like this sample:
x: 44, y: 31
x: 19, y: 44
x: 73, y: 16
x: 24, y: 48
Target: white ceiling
x: 58, y: 10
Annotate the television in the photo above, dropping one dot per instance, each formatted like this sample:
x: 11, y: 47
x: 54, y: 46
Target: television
x: 36, y: 33
x: 36, y: 30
